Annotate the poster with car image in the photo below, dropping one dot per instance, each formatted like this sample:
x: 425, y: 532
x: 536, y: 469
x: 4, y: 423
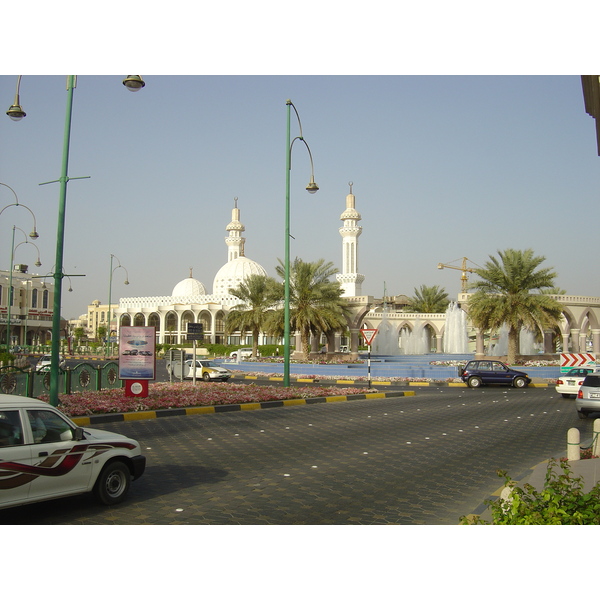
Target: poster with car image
x: 137, y: 352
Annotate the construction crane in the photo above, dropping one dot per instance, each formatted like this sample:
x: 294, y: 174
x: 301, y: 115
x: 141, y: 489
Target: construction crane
x: 463, y: 268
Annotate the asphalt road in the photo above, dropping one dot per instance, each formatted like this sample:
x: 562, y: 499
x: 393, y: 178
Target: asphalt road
x: 423, y: 459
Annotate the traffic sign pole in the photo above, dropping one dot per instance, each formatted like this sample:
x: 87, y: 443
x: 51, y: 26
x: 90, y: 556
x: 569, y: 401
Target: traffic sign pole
x: 369, y: 334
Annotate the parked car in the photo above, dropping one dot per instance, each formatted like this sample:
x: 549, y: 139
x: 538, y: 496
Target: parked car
x: 588, y: 396
x: 43, y: 364
x: 44, y: 455
x: 568, y: 383
x: 130, y: 352
x: 242, y: 352
x: 205, y: 370
x: 483, y: 372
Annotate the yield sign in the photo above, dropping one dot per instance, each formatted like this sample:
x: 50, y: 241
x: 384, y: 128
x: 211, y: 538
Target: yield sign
x: 368, y: 334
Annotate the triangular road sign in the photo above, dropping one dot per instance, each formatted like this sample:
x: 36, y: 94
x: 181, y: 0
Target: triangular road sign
x: 368, y: 334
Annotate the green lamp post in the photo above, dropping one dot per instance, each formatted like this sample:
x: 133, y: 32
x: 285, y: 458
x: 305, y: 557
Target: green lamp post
x: 15, y: 112
x: 311, y: 188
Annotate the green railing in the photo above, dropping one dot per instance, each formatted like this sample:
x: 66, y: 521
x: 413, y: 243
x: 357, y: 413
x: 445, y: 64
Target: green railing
x: 84, y: 376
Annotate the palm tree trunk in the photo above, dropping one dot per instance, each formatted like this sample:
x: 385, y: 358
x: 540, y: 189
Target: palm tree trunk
x: 513, y: 345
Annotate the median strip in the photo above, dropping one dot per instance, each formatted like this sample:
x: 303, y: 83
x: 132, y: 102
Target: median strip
x: 196, y: 410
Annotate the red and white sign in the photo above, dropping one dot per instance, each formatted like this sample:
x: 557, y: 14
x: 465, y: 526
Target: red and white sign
x: 577, y: 360
x: 368, y: 334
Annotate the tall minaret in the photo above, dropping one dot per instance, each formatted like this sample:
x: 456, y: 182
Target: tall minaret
x: 235, y: 241
x: 350, y: 279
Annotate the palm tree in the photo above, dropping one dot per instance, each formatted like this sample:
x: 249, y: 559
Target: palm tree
x: 316, y: 304
x: 504, y: 296
x: 428, y: 299
x: 258, y: 294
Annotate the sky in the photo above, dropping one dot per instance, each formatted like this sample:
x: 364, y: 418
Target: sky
x: 443, y: 167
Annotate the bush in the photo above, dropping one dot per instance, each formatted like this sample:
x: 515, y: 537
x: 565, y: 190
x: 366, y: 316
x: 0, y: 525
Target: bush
x: 561, y: 502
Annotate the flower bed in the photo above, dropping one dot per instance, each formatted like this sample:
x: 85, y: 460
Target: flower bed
x: 182, y: 395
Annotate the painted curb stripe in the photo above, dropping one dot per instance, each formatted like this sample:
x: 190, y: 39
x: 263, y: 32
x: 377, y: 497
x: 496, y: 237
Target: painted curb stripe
x: 220, y: 408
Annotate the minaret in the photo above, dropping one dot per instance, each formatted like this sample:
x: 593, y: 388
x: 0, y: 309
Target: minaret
x: 235, y: 241
x: 350, y: 279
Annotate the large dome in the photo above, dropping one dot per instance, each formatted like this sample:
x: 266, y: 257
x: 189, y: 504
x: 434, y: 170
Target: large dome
x: 189, y: 287
x: 233, y: 273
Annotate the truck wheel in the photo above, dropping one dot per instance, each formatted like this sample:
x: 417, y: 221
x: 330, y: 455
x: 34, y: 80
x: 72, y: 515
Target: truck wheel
x: 112, y: 484
x: 519, y: 382
x: 474, y: 382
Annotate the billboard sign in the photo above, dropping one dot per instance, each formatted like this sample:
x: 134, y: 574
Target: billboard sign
x: 137, y: 353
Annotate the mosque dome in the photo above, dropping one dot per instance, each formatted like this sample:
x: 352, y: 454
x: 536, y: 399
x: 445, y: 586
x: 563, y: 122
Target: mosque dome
x: 232, y: 273
x: 189, y: 287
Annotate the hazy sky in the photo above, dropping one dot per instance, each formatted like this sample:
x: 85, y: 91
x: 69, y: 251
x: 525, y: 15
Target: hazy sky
x: 443, y: 167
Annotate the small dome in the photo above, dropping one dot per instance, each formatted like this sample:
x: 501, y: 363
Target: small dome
x: 189, y: 287
x: 233, y: 273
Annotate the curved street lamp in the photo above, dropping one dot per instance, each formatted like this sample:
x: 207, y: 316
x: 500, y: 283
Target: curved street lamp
x: 126, y: 282
x: 15, y: 112
x: 311, y: 188
x: 33, y: 235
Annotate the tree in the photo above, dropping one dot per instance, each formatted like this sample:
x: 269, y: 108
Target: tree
x: 258, y: 294
x: 316, y: 304
x: 428, y: 299
x: 504, y: 296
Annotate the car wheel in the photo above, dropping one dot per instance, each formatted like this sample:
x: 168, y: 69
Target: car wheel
x: 581, y: 415
x: 206, y: 377
x: 519, y: 382
x: 474, y: 382
x: 234, y: 356
x: 113, y: 483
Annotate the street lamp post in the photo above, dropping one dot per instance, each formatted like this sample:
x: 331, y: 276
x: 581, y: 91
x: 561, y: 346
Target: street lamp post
x: 13, y: 248
x: 311, y: 188
x: 33, y: 235
x: 126, y: 282
x: 15, y: 112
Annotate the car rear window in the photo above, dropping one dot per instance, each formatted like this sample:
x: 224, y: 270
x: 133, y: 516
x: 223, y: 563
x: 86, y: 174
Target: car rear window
x: 592, y: 381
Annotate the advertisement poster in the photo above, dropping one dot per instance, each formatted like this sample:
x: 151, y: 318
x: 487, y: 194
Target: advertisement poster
x: 137, y: 352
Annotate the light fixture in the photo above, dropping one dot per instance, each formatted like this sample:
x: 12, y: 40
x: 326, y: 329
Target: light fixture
x: 134, y: 83
x: 15, y: 112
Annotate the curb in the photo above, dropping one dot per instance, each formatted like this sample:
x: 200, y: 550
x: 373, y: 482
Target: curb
x: 221, y: 408
x: 374, y: 383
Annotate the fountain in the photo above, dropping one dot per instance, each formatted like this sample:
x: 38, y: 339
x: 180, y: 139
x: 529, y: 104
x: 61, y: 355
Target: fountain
x: 415, y: 341
x: 527, y: 343
x: 456, y: 339
x: 386, y: 341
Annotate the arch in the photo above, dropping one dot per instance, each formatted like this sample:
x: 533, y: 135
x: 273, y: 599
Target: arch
x: 154, y: 321
x: 139, y: 320
x: 219, y: 332
x: 171, y: 327
x: 125, y: 320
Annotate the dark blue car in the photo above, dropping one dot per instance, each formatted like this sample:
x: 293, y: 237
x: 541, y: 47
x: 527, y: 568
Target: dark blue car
x: 483, y: 372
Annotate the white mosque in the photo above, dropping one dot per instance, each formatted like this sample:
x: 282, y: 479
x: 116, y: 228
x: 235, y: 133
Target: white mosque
x: 190, y: 303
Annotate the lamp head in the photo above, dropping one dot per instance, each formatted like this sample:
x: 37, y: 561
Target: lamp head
x: 126, y: 282
x: 38, y: 263
x: 312, y: 187
x: 34, y: 235
x: 15, y: 112
x: 134, y: 83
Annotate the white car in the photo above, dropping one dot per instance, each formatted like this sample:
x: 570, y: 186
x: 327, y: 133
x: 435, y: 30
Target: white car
x: 44, y: 363
x: 568, y: 383
x: 242, y: 352
x: 205, y: 370
x: 44, y: 455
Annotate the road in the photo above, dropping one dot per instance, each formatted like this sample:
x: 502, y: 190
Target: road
x: 423, y: 459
